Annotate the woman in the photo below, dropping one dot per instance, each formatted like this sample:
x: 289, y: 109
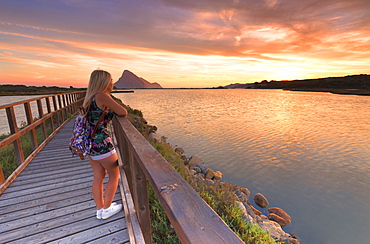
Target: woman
x: 103, y: 156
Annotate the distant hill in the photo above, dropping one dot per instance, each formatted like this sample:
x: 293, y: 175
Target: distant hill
x: 15, y: 90
x: 130, y: 80
x: 336, y: 84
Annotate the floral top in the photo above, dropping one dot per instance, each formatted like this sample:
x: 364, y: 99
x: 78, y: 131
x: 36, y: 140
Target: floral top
x: 101, y: 141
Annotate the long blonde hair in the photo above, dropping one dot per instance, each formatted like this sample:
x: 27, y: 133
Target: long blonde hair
x: 99, y: 81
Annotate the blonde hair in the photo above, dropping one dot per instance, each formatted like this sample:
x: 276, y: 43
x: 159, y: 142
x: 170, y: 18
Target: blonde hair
x: 99, y: 81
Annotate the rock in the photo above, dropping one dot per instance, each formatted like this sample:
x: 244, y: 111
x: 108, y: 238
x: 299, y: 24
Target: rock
x: 261, y: 200
x: 163, y: 140
x: 130, y: 80
x: 203, y: 167
x: 280, y: 216
x: 257, y: 212
x: 179, y: 150
x: 196, y: 169
x: 209, y: 182
x: 276, y: 232
x: 217, y: 175
x: 209, y: 174
x: 247, y: 218
x: 195, y: 160
x: 241, y: 196
x: 250, y: 212
x: 198, y: 177
x: 246, y: 191
x: 272, y: 227
x: 154, y: 137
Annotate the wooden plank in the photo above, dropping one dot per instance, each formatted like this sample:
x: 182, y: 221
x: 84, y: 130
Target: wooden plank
x: 115, y: 232
x: 54, y: 203
x: 51, y: 181
x: 50, y: 218
x: 8, y: 199
x: 51, y: 187
x: 54, y: 228
x: 41, y: 172
x: 32, y: 180
x: 120, y: 237
x: 24, y: 209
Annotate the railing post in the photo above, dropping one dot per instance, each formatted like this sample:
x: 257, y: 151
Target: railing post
x: 27, y: 109
x: 140, y: 196
x: 41, y: 115
x: 14, y: 129
x: 49, y: 112
x: 62, y: 110
x: 2, y: 178
x: 55, y: 109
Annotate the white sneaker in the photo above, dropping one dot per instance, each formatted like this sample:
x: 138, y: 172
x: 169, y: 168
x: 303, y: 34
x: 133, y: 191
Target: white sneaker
x: 98, y: 213
x: 112, y: 210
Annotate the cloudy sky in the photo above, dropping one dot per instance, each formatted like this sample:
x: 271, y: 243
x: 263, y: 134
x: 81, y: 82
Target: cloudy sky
x: 182, y: 43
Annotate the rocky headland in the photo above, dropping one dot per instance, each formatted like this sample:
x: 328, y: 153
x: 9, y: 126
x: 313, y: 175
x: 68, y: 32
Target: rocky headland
x: 129, y: 80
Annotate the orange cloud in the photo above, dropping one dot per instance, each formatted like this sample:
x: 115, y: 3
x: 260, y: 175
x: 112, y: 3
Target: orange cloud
x: 183, y: 43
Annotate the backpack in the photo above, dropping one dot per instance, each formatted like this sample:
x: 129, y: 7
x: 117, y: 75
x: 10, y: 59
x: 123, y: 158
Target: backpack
x: 80, y: 142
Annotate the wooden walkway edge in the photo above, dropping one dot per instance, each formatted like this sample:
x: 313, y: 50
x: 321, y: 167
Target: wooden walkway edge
x: 51, y: 201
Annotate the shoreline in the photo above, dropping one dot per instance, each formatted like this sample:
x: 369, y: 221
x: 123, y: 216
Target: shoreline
x: 358, y: 92
x: 199, y: 172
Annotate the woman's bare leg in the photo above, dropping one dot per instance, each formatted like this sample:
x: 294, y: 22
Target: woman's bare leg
x: 110, y: 164
x: 97, y: 185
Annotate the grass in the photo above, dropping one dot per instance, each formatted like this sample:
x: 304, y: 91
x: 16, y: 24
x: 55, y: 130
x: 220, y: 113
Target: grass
x: 8, y: 160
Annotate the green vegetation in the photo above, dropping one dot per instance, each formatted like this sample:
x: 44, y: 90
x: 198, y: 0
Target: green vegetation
x: 8, y: 160
x: 13, y: 90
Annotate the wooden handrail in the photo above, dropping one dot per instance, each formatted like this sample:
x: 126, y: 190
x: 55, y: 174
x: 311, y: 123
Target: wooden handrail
x: 192, y: 218
x: 57, y: 119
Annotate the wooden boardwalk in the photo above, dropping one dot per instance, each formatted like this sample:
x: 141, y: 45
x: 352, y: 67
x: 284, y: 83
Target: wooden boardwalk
x: 51, y: 201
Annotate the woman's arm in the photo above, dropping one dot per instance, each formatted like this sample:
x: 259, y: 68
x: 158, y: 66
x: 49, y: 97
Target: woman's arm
x: 105, y: 100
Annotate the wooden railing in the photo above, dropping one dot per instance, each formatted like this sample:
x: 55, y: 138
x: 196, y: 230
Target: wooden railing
x: 193, y: 220
x: 60, y: 109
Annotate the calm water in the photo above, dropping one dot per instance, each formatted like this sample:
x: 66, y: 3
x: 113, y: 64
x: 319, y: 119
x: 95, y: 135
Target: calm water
x: 308, y: 153
x: 18, y: 110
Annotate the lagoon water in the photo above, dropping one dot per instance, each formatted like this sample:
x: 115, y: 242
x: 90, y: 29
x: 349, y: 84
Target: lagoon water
x: 308, y: 153
x: 18, y: 110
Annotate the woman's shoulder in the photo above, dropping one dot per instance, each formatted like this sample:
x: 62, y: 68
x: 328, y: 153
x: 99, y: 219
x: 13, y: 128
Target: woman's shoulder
x: 102, y: 95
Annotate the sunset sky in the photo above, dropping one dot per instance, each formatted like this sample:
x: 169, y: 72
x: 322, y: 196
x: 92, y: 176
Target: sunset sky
x: 182, y: 43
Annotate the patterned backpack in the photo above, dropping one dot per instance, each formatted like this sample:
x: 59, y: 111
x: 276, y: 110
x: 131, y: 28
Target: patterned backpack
x: 80, y: 143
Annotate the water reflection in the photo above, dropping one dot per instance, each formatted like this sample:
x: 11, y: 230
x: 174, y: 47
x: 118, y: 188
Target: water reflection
x: 308, y: 153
